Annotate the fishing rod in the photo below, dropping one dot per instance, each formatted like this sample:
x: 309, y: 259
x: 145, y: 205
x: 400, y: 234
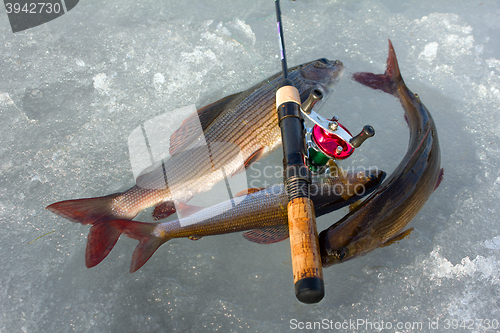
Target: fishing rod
x: 304, y: 244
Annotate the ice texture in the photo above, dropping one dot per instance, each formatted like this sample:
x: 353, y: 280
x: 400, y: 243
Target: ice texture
x: 72, y: 90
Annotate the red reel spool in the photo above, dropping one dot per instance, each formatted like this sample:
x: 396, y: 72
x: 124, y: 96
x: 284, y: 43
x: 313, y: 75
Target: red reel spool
x: 328, y: 143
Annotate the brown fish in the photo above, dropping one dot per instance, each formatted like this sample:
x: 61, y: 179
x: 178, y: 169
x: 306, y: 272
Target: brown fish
x: 265, y: 211
x: 239, y: 129
x: 381, y: 217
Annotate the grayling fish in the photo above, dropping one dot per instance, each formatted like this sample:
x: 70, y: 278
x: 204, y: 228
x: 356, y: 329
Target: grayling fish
x: 238, y: 129
x: 264, y: 211
x: 381, y: 217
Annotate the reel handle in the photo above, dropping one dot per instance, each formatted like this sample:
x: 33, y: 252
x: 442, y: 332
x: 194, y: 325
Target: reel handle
x: 314, y: 96
x: 366, y: 132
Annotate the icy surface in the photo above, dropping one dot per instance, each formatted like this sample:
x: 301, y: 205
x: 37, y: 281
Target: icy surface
x: 72, y: 90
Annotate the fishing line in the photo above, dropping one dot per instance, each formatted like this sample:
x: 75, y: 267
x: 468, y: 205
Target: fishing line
x: 150, y: 152
x: 228, y: 187
x: 281, y: 40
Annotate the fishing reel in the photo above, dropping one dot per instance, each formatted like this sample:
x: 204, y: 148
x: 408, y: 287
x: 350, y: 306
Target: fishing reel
x: 328, y: 139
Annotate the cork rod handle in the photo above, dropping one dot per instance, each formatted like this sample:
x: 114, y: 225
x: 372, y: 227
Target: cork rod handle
x: 306, y: 259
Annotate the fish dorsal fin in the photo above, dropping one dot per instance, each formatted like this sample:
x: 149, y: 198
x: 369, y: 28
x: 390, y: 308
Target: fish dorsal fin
x: 267, y: 235
x: 249, y: 191
x: 397, y: 238
x: 190, y: 129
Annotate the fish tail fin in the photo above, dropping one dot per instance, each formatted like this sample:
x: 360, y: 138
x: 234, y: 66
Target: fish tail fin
x: 144, y: 233
x: 97, y: 212
x: 389, y: 81
x: 86, y: 211
x: 100, y: 241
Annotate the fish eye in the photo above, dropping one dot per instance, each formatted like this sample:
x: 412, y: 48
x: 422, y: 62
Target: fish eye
x: 321, y: 63
x: 342, y: 253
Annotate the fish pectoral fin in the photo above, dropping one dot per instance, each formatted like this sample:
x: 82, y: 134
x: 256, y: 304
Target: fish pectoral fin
x: 249, y: 191
x: 354, y: 205
x: 397, y: 238
x: 267, y: 235
x: 439, y: 179
x: 194, y: 238
x: 194, y: 125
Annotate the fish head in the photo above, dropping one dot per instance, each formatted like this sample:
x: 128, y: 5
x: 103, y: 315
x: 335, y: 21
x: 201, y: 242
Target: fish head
x: 363, y: 181
x: 347, y: 185
x: 341, y: 244
x: 323, y: 72
x: 331, y: 193
x: 343, y: 241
